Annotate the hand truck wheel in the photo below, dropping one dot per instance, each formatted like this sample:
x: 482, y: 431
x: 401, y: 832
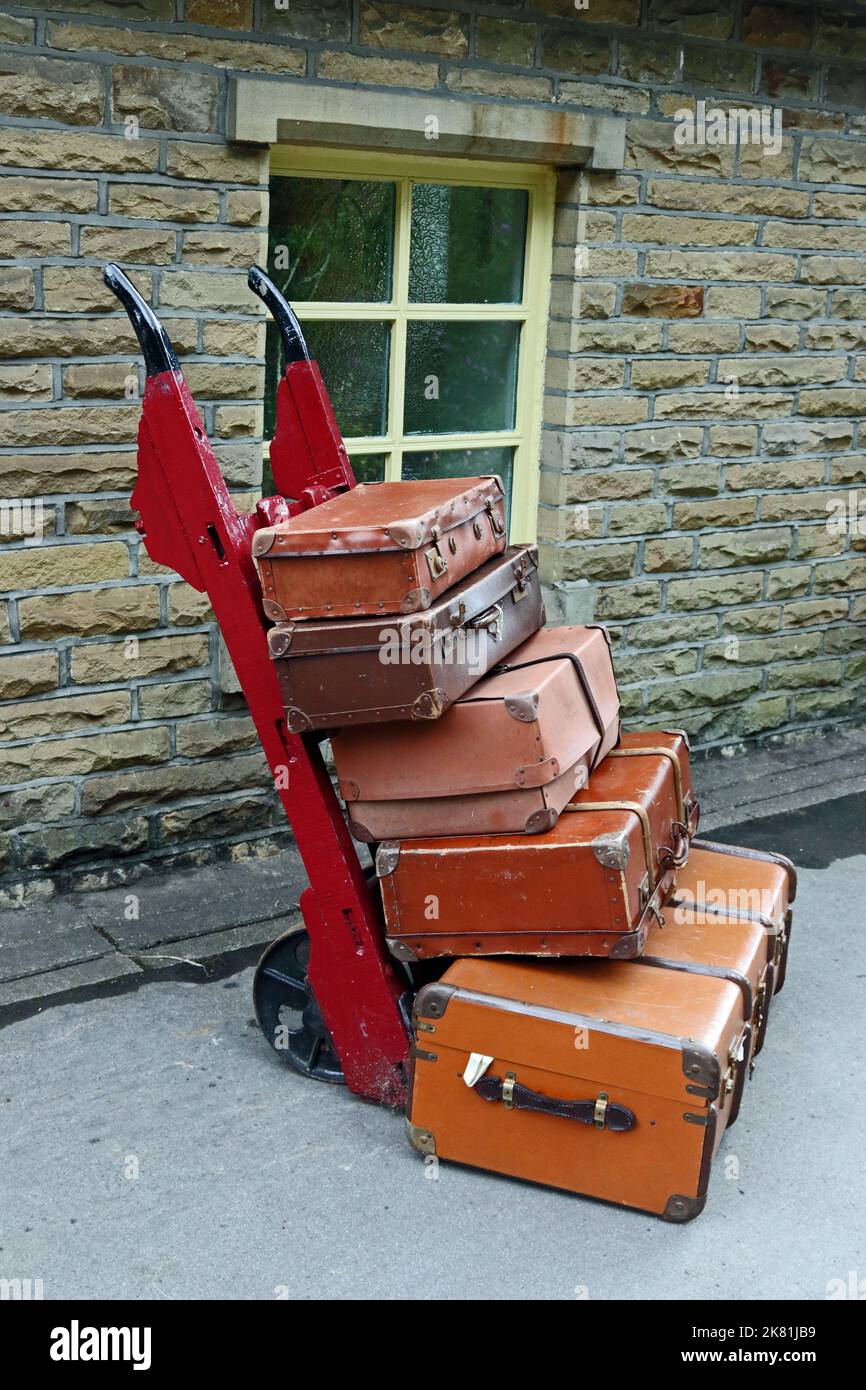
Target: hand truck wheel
x: 287, y: 1011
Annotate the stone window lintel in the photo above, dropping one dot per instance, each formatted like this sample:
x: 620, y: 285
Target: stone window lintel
x: 265, y: 112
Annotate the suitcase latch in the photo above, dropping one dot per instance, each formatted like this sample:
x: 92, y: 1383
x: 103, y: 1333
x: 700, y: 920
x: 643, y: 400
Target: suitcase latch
x: 489, y: 621
x: 779, y: 950
x: 521, y: 588
x: 436, y: 561
x: 735, y: 1057
x: 495, y: 519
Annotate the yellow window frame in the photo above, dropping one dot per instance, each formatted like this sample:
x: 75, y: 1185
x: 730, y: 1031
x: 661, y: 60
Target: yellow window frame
x: 531, y: 312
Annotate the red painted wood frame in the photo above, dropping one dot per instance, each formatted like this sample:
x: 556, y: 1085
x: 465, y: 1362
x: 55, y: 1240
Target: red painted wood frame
x: 189, y: 524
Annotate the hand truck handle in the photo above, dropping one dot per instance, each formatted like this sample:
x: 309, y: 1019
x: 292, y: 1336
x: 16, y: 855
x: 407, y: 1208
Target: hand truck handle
x: 159, y: 355
x: 294, y: 343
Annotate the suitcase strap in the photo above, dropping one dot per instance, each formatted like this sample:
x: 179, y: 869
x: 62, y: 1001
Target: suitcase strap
x: 688, y: 806
x: 601, y: 1112
x: 583, y: 681
x: 667, y: 855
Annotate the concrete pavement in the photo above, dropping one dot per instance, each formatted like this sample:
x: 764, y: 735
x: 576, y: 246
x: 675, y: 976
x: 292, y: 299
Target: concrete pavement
x: 154, y: 1147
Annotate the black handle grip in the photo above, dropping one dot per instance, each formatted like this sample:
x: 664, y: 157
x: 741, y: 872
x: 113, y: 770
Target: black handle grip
x: 159, y: 355
x: 294, y: 343
x: 602, y: 1113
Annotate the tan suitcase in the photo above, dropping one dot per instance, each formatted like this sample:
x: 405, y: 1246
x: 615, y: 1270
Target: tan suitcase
x: 380, y: 548
x: 505, y: 758
x: 607, y: 1079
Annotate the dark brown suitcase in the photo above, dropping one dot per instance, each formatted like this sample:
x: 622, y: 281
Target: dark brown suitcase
x: 505, y: 758
x: 351, y: 671
x: 380, y: 548
x: 608, y: 1079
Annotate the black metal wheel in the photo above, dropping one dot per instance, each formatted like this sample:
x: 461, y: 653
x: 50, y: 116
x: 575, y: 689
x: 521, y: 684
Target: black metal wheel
x: 287, y: 1011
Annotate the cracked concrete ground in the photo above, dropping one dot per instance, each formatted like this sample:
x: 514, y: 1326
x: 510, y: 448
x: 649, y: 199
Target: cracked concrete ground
x: 154, y: 1147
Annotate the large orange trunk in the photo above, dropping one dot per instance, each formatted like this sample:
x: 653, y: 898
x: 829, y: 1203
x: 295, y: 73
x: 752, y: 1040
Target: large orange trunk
x: 726, y: 884
x: 611, y: 1080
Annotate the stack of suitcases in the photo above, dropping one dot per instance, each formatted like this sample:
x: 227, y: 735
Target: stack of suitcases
x: 598, y: 980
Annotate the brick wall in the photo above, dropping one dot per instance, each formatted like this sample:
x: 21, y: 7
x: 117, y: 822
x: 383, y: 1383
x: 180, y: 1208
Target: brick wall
x: 704, y: 388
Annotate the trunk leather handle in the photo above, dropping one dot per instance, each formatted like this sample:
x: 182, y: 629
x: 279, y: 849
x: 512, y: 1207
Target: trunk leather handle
x: 601, y: 1112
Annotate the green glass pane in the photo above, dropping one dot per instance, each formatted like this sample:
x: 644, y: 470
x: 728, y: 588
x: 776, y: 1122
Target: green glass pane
x: 461, y: 463
x: 331, y: 239
x: 369, y: 468
x: 467, y: 244
x: 353, y: 359
x: 460, y: 377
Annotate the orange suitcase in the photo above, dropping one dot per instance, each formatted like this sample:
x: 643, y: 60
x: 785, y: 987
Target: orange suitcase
x: 611, y: 1080
x: 727, y: 950
x: 724, y: 883
x: 380, y: 548
x: 505, y: 758
x: 590, y: 886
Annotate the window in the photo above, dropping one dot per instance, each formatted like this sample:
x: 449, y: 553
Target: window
x: 422, y: 286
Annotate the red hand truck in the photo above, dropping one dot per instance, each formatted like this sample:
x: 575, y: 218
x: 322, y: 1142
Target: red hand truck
x: 347, y: 1001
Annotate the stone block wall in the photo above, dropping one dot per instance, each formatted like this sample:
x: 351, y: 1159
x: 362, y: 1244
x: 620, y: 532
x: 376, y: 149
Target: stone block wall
x: 706, y: 378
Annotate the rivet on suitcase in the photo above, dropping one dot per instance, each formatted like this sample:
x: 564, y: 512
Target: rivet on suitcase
x: 611, y: 1080
x: 505, y: 758
x: 351, y: 671
x: 380, y: 548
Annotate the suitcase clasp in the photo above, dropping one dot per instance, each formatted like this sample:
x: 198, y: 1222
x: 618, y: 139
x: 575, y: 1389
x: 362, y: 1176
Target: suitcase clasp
x: 490, y: 621
x: 495, y: 519
x: 436, y: 561
x: 521, y: 585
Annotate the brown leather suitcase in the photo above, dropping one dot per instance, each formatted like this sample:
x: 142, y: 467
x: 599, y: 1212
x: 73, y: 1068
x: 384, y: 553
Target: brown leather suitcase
x: 611, y: 1080
x: 727, y: 884
x: 726, y: 949
x: 504, y: 759
x: 380, y: 548
x: 589, y: 887
x: 352, y: 671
